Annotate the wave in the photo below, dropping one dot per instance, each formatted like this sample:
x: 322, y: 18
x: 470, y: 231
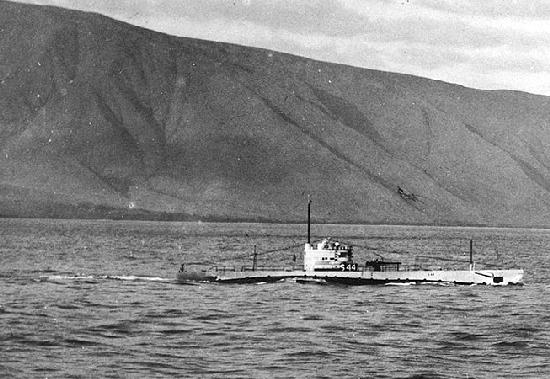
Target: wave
x: 65, y: 277
x: 138, y: 278
x: 511, y: 344
x: 425, y: 375
x: 96, y: 278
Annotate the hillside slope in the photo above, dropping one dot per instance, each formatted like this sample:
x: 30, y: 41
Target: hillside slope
x: 101, y: 118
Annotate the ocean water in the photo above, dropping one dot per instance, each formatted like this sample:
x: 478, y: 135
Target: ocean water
x: 98, y: 299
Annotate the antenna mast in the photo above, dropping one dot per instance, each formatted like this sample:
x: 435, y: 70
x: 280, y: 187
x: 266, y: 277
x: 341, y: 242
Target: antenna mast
x: 308, y: 219
x: 471, y: 256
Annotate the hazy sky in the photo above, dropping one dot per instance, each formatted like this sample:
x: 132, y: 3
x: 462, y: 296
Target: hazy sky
x: 487, y: 44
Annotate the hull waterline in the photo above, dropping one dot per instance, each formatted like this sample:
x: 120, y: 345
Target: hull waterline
x: 481, y: 277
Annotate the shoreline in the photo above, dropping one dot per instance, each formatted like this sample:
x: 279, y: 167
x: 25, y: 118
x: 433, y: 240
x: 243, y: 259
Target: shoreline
x: 253, y: 221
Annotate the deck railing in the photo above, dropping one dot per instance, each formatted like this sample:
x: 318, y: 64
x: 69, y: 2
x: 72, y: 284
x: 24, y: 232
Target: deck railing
x: 224, y: 269
x: 361, y: 268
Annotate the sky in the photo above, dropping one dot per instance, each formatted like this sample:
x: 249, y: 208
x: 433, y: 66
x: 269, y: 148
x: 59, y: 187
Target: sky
x: 488, y: 44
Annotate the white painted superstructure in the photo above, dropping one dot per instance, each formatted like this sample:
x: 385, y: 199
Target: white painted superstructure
x: 328, y: 255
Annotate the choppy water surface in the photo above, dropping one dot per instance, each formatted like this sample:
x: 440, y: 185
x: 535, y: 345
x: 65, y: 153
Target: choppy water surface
x: 98, y: 299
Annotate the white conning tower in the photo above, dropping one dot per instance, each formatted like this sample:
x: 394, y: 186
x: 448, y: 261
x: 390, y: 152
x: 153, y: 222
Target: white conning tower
x: 328, y: 255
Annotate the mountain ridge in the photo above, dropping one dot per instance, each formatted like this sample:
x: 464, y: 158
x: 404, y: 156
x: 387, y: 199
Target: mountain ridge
x: 98, y: 112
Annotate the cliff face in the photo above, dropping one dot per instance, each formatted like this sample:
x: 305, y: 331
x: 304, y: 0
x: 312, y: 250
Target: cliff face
x: 97, y: 116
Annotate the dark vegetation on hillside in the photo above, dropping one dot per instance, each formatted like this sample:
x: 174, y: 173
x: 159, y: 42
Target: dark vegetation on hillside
x: 103, y: 119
